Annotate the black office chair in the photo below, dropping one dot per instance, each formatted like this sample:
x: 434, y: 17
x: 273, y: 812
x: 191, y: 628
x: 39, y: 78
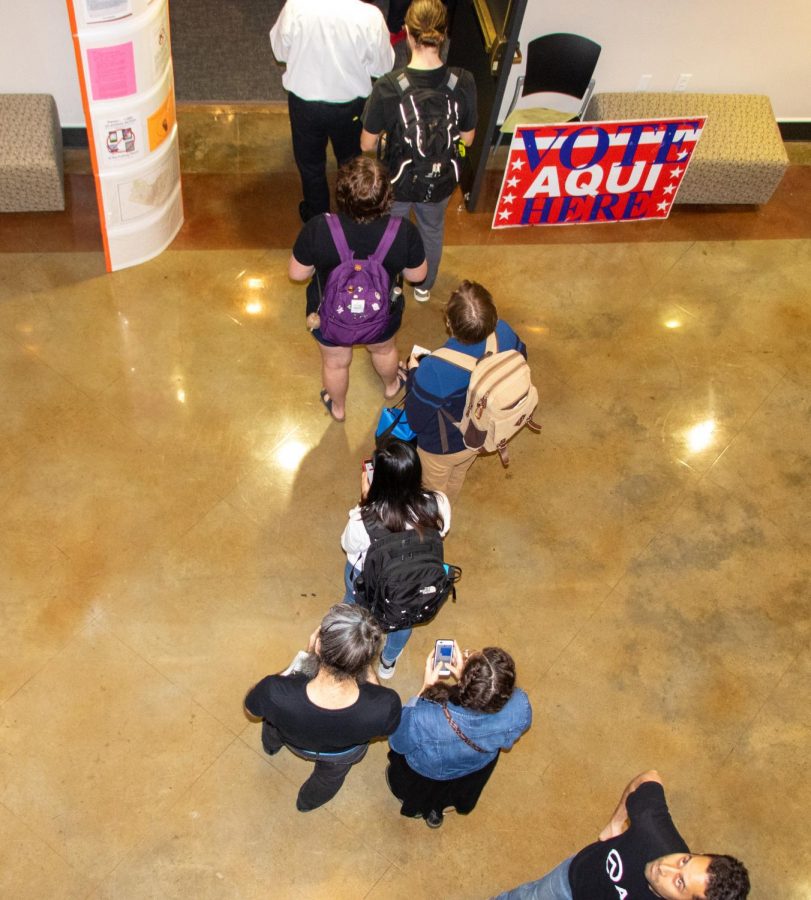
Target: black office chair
x: 556, y: 64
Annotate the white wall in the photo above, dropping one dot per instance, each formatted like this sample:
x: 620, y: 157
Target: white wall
x: 36, y: 54
x: 727, y: 45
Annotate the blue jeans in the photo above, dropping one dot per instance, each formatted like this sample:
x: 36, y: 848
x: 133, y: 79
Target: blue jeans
x: 395, y: 640
x: 553, y: 886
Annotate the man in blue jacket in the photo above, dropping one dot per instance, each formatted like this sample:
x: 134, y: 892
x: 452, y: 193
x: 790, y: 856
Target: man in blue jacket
x: 437, y: 388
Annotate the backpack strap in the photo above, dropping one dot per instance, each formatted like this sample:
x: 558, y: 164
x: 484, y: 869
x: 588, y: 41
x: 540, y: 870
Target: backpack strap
x: 465, y: 360
x: 339, y: 238
x: 449, y: 84
x: 392, y: 228
x: 402, y: 83
x: 374, y: 527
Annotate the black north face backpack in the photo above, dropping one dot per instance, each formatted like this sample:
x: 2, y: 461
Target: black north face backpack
x: 404, y: 581
x: 423, y: 149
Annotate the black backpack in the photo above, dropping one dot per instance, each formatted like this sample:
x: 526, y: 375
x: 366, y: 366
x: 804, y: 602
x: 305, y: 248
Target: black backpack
x: 422, y: 150
x: 404, y: 581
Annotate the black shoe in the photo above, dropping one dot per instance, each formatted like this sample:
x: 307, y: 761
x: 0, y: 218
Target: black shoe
x: 435, y: 819
x: 304, y: 211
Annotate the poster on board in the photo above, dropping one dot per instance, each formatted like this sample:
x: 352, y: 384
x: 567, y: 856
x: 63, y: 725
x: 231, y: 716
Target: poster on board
x: 106, y: 10
x: 595, y: 172
x: 112, y: 71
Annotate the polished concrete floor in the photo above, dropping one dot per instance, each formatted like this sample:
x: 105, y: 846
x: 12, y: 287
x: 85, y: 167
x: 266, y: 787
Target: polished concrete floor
x: 173, y: 494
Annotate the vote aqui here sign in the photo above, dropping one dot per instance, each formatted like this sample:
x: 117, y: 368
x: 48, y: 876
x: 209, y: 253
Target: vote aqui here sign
x: 586, y: 172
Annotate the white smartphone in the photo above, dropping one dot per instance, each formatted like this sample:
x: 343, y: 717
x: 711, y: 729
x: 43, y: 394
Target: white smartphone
x: 443, y: 657
x: 369, y: 468
x: 418, y: 352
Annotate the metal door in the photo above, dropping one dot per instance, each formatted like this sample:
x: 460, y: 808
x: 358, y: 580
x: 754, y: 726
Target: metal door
x: 484, y: 40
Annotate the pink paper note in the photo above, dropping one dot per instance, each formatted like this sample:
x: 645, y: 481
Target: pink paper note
x: 112, y: 71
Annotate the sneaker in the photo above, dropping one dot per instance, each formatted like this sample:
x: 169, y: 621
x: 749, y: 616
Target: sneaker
x: 386, y: 670
x: 421, y: 296
x: 434, y: 819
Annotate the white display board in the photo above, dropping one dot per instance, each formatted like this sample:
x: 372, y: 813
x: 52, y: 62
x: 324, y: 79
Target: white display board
x: 123, y: 52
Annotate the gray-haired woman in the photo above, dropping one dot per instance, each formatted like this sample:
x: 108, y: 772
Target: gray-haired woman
x: 328, y: 715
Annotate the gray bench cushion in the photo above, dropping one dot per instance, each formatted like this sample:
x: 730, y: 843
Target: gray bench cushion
x: 740, y: 157
x: 31, y: 176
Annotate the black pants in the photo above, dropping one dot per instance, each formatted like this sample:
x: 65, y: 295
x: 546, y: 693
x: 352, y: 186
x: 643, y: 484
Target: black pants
x: 421, y: 796
x: 313, y: 124
x: 328, y: 775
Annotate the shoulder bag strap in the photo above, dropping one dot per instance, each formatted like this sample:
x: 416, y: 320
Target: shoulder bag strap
x: 338, y: 236
x: 459, y: 733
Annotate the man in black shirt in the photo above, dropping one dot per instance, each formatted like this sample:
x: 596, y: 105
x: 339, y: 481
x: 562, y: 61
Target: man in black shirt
x: 639, y: 855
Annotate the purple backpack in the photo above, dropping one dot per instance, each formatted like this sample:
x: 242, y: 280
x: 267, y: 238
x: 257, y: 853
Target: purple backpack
x: 355, y: 306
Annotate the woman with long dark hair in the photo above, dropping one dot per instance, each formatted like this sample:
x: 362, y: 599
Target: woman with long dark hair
x: 450, y: 735
x: 396, y: 499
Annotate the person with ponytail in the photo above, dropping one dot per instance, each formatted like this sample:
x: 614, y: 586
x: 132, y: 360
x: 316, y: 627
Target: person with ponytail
x: 450, y: 735
x: 426, y: 25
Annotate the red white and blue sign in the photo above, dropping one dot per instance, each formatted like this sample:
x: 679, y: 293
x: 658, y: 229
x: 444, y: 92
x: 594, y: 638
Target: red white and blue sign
x: 589, y: 172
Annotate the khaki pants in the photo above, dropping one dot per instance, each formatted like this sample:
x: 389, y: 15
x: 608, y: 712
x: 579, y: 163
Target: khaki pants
x: 446, y: 471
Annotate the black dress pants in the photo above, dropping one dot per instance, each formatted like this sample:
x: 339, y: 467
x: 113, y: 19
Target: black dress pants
x: 328, y: 775
x: 314, y: 123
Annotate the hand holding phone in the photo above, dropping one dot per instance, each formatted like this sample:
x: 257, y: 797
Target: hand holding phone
x: 443, y: 657
x: 369, y: 469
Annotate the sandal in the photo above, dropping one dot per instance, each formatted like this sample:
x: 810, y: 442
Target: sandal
x: 402, y: 378
x: 327, y: 401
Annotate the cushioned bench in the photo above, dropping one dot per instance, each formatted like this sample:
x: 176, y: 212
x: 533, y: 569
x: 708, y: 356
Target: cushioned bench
x: 740, y: 157
x: 31, y: 176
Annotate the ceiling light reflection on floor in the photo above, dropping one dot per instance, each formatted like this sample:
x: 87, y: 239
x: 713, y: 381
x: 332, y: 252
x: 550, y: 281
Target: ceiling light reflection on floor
x: 290, y: 454
x: 700, y: 436
x: 673, y: 323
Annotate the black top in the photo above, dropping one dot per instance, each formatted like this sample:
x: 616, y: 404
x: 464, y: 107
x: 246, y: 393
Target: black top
x: 383, y: 104
x: 283, y: 701
x: 314, y: 247
x: 606, y: 870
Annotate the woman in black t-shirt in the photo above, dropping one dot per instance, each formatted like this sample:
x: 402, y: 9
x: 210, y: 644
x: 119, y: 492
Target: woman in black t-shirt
x: 426, y: 30
x: 363, y: 197
x: 328, y: 717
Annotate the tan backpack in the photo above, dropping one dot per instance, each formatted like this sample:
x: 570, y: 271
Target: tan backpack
x: 500, y: 401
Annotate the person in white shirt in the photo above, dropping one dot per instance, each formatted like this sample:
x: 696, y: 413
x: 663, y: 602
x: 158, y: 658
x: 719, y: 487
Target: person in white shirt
x: 332, y: 49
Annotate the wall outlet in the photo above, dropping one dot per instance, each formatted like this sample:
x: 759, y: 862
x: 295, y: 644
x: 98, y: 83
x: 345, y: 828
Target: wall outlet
x: 682, y: 81
x: 644, y: 82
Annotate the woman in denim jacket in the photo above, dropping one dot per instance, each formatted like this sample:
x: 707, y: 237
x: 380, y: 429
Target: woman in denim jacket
x: 449, y: 738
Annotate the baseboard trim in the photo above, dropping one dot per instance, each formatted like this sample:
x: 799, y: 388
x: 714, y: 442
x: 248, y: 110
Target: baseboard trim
x: 795, y: 131
x: 74, y: 137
